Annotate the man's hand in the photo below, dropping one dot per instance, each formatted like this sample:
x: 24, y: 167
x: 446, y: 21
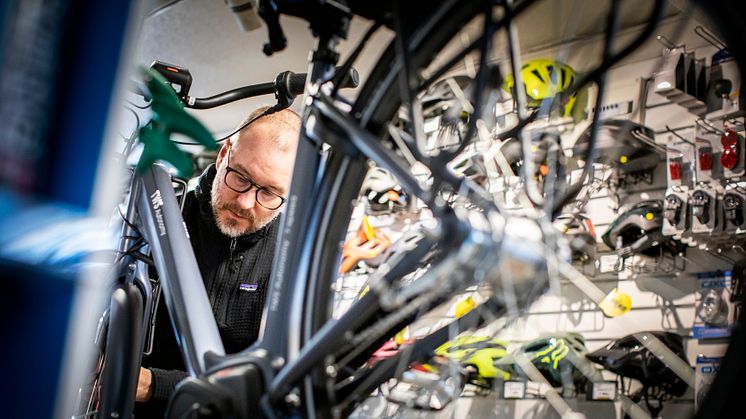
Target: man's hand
x: 144, y: 385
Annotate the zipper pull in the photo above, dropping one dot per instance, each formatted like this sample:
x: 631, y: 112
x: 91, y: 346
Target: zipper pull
x: 233, y: 262
x: 233, y: 248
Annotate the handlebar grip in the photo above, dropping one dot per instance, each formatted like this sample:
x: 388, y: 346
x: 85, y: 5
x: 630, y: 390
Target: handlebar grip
x: 352, y: 80
x: 297, y: 81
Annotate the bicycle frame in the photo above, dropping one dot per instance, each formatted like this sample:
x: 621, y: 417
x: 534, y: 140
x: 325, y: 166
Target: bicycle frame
x: 154, y: 209
x: 195, y: 326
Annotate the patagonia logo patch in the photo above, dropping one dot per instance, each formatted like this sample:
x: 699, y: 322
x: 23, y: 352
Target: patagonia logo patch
x: 248, y: 287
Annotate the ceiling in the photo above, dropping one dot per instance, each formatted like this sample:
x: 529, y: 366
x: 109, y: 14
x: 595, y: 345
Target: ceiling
x: 203, y: 36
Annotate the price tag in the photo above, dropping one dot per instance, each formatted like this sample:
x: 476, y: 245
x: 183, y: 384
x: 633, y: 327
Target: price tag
x: 514, y: 389
x: 605, y: 390
x: 607, y: 263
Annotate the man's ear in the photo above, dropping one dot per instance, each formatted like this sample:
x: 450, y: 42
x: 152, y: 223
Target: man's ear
x: 223, y: 153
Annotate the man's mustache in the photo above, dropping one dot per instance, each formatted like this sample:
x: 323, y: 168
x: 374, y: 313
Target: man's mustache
x: 239, y: 211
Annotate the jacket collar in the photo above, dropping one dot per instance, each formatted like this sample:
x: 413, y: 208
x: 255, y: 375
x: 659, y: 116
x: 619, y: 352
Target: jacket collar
x: 203, y: 193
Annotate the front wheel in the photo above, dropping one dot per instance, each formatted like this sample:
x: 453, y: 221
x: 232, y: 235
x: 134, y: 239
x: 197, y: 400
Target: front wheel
x: 111, y: 392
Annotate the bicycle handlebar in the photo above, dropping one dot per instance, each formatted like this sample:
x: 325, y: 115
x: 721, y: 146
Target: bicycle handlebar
x: 287, y: 86
x: 230, y: 96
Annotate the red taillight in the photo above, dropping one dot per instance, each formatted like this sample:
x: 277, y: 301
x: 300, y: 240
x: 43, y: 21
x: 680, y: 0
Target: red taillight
x: 730, y: 156
x: 729, y: 159
x: 729, y: 138
x: 705, y: 158
x: 674, y: 169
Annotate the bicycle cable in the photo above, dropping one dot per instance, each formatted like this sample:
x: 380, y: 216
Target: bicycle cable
x: 140, y: 106
x: 240, y: 128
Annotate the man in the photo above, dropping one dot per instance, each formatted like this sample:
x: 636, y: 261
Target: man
x: 232, y: 221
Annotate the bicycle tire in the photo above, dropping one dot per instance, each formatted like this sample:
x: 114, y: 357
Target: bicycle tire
x: 121, y: 353
x: 377, y: 103
x: 112, y: 391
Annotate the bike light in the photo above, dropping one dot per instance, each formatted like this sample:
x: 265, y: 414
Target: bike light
x: 731, y: 154
x: 732, y: 204
x: 178, y: 77
x: 672, y: 209
x: 701, y: 206
x: 674, y: 169
x: 705, y: 158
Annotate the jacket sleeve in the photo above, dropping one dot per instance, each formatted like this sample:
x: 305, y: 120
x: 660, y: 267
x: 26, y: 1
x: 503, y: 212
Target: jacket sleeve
x: 164, y: 382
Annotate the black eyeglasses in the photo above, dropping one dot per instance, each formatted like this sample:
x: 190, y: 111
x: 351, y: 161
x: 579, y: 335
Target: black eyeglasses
x: 240, y: 183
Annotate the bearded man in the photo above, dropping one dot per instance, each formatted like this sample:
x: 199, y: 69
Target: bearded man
x: 231, y: 217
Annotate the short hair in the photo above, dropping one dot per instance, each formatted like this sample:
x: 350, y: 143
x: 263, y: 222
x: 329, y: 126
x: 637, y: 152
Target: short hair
x: 283, y: 120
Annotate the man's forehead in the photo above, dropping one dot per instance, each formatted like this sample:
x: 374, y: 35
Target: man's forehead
x: 269, y: 129
x: 257, y: 130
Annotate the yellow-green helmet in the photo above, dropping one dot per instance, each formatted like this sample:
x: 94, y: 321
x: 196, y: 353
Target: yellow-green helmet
x: 479, y: 351
x: 544, y: 79
x: 558, y: 357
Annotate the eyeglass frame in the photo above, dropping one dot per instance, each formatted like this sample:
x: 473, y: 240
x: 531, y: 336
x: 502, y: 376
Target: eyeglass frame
x: 252, y: 184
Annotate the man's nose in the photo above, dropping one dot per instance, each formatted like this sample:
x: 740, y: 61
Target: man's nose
x: 247, y: 200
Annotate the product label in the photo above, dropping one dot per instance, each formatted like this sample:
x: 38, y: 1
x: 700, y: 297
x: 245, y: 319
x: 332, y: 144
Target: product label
x: 605, y: 390
x: 707, y: 368
x: 514, y: 389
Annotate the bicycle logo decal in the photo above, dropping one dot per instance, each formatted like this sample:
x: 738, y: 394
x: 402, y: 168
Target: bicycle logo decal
x: 157, y: 202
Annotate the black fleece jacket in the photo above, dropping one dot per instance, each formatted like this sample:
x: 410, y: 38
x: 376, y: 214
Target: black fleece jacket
x: 235, y: 272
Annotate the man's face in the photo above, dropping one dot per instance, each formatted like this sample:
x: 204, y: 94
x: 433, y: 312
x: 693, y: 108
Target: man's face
x: 255, y: 156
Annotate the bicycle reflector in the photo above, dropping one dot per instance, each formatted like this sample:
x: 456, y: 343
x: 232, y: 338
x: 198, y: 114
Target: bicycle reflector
x: 731, y: 149
x: 705, y: 158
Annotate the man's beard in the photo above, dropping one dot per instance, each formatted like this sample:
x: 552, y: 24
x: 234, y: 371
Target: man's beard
x: 229, y: 226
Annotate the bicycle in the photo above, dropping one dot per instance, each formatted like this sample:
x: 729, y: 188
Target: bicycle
x: 317, y: 368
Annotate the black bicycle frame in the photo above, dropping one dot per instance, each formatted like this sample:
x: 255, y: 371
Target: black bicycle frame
x: 313, y: 187
x: 163, y: 227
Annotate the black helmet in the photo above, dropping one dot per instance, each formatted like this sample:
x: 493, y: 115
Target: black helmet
x: 618, y: 144
x: 628, y: 357
x: 640, y: 229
